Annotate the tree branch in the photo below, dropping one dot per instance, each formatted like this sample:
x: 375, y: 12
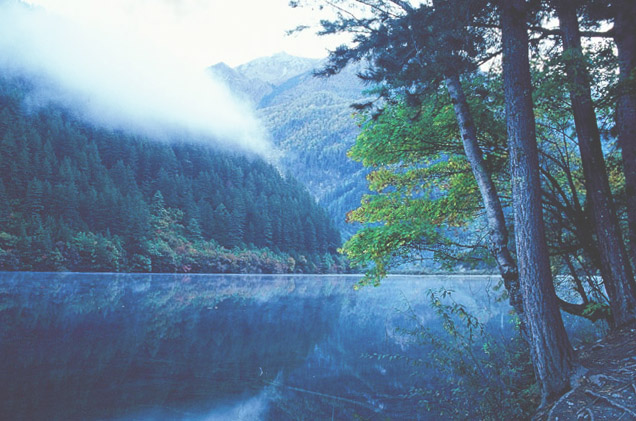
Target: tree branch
x: 587, y: 34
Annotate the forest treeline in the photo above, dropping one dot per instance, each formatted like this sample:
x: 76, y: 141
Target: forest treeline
x: 79, y: 198
x: 502, y: 131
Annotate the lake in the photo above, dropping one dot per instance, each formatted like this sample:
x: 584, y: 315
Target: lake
x: 220, y: 347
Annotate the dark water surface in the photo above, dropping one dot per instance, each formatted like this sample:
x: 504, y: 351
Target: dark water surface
x: 216, y: 347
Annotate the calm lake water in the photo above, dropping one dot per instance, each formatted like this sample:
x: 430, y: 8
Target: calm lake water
x: 218, y: 347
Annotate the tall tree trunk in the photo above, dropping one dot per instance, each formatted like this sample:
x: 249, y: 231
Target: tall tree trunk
x: 615, y: 266
x: 496, y: 222
x: 625, y: 38
x: 550, y: 349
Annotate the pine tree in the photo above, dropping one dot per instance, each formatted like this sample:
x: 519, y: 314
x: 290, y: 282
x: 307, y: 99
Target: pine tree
x: 615, y: 266
x: 552, y: 355
x: 33, y: 200
x: 5, y: 206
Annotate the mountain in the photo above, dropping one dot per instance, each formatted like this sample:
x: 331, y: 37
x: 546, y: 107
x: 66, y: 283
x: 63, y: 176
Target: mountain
x: 278, y: 68
x: 80, y: 198
x: 251, y: 90
x: 312, y: 124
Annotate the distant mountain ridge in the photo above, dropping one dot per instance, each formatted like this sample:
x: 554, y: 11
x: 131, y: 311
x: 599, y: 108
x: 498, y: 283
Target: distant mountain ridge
x: 278, y: 68
x: 251, y: 90
x: 311, y: 122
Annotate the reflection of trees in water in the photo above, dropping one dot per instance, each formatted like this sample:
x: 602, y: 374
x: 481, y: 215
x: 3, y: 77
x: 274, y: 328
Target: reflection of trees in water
x: 76, y: 347
x: 365, y: 368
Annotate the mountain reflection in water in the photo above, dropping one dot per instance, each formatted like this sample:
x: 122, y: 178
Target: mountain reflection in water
x: 215, y: 347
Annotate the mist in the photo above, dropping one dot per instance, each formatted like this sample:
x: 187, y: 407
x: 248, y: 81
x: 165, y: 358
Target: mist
x: 244, y: 409
x: 116, y: 79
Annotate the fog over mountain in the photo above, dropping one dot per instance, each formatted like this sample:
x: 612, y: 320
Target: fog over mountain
x: 118, y: 81
x: 272, y: 106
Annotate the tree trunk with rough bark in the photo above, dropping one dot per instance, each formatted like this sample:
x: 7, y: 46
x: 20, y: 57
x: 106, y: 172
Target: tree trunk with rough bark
x: 625, y: 38
x: 552, y: 355
x: 497, y: 230
x: 615, y: 267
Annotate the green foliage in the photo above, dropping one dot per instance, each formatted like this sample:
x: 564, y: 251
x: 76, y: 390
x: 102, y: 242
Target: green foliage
x: 96, y: 253
x: 408, y: 146
x: 79, y: 198
x: 595, y: 311
x: 424, y: 201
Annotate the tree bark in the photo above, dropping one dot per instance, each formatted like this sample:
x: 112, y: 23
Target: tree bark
x: 497, y: 230
x: 625, y: 38
x: 615, y: 267
x: 550, y: 349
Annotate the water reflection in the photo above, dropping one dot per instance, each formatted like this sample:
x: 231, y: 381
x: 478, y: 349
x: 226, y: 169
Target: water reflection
x: 113, y: 346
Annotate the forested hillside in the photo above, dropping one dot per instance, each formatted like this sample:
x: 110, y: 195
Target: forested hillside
x: 74, y: 197
x: 311, y: 122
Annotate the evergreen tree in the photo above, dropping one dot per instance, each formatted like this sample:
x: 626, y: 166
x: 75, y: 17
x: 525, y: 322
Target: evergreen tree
x: 615, y: 266
x: 552, y: 355
x: 34, y: 198
x: 5, y: 206
x: 624, y: 14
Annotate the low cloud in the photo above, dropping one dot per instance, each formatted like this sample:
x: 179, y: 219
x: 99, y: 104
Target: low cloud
x: 115, y: 79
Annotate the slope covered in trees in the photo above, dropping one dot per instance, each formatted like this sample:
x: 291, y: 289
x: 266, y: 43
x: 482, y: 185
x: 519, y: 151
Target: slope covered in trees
x: 74, y: 197
x: 311, y: 122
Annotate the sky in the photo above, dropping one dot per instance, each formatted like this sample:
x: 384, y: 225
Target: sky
x: 203, y: 32
x: 140, y: 65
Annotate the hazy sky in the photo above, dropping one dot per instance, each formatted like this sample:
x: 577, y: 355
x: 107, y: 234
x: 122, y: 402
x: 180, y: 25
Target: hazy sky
x: 202, y: 32
x: 140, y: 65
